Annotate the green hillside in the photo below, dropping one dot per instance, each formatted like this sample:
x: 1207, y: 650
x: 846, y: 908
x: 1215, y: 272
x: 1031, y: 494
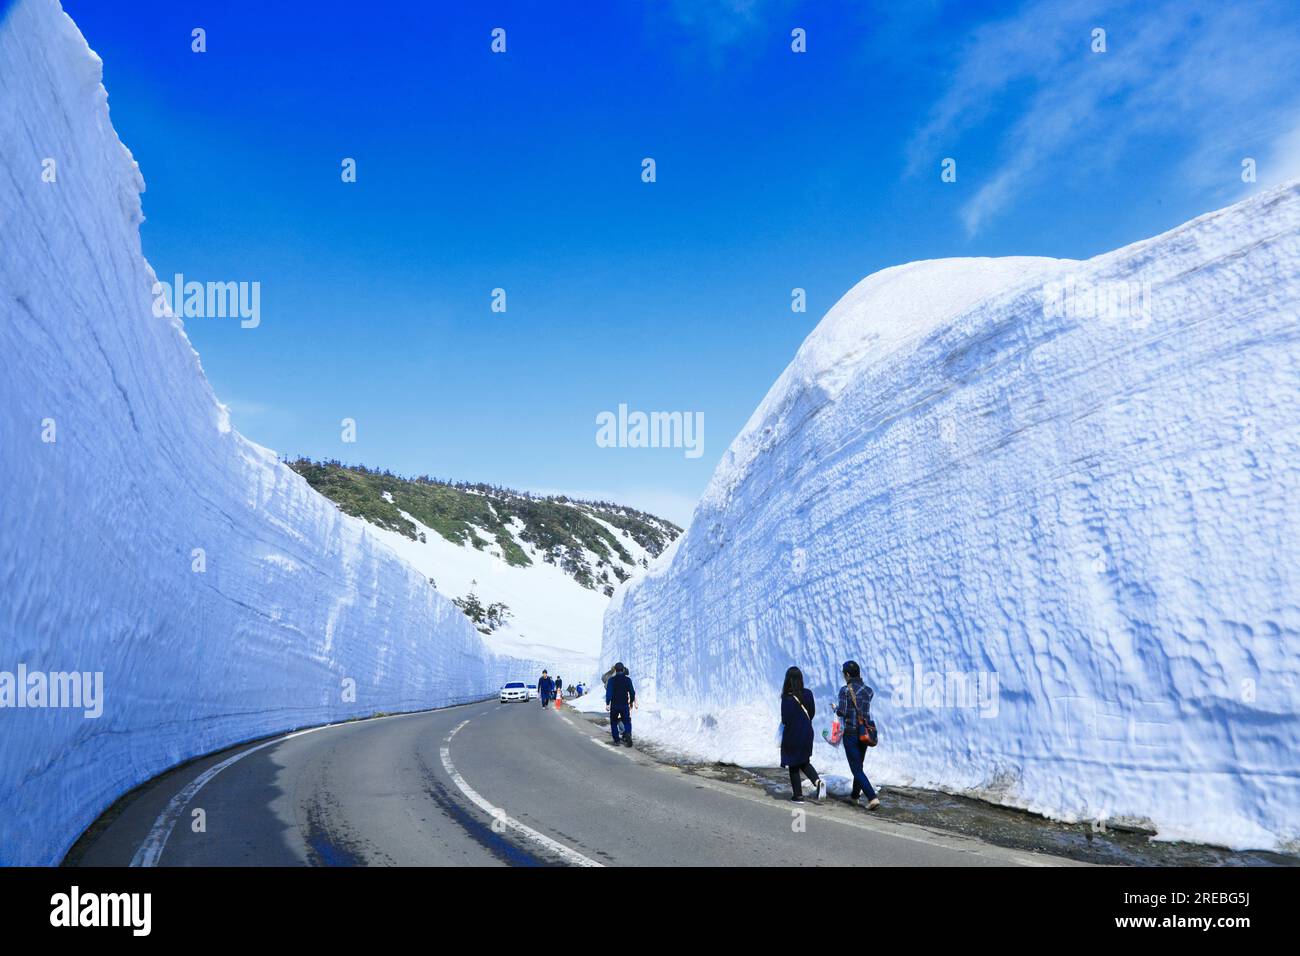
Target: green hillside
x: 564, y: 530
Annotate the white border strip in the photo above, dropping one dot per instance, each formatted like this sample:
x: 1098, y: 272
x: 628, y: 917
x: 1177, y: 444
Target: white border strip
x: 559, y: 849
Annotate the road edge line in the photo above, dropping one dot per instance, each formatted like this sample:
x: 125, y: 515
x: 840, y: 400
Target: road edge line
x: 568, y: 854
x: 151, y: 848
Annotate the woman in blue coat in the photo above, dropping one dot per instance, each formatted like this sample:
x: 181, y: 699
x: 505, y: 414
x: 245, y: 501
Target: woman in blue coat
x: 797, y: 711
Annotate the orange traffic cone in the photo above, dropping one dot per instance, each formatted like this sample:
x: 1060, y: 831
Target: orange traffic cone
x: 557, y: 701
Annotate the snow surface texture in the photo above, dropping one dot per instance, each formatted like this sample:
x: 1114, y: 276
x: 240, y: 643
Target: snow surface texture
x: 99, y: 526
x: 958, y: 479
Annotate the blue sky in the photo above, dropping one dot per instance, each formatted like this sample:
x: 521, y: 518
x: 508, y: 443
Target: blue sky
x: 523, y: 171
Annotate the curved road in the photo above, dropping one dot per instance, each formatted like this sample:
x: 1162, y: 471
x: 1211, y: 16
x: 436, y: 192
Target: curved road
x: 488, y: 784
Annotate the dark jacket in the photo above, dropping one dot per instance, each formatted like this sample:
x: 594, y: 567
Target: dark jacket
x: 797, y: 735
x: 619, y: 694
x: 545, y: 687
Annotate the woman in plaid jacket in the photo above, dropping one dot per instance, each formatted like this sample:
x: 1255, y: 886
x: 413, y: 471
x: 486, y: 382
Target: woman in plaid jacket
x: 854, y: 708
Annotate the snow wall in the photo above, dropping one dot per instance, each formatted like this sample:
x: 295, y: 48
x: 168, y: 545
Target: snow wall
x: 98, y: 528
x: 1053, y: 510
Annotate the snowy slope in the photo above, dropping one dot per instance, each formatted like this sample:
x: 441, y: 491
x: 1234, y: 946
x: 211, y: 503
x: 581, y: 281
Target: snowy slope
x: 544, y: 565
x: 298, y: 602
x: 553, y: 619
x: 1065, y: 546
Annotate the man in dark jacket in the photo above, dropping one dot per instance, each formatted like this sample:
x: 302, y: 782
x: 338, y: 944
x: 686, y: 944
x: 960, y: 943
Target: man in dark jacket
x: 620, y: 695
x: 545, y: 689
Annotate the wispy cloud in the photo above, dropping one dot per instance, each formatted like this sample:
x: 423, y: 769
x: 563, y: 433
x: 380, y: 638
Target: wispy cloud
x: 1219, y: 78
x: 720, y: 30
x: 1281, y: 161
x: 261, y: 421
x: 722, y: 21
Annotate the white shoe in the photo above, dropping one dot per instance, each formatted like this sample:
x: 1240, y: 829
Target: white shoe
x: 874, y: 804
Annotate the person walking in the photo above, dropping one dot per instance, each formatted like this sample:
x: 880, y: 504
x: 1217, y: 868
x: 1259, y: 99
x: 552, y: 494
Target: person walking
x: 797, y: 711
x: 545, y: 689
x: 559, y: 686
x: 620, y: 696
x: 854, y: 708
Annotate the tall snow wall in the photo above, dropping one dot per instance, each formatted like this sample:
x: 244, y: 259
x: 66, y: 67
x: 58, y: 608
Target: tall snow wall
x: 1051, y: 507
x: 99, y: 526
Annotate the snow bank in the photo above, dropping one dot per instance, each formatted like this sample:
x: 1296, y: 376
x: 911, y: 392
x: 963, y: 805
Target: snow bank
x: 1053, y: 509
x: 297, y: 605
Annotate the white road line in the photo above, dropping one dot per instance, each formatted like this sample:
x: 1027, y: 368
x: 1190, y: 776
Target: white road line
x: 151, y: 849
x: 559, y: 849
x: 885, y: 828
x: 604, y: 744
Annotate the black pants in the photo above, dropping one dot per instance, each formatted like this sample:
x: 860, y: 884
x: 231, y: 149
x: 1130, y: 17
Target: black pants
x: 809, y: 771
x: 624, y: 717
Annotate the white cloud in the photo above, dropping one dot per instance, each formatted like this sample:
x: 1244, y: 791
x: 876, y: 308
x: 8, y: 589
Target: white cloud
x: 1217, y: 79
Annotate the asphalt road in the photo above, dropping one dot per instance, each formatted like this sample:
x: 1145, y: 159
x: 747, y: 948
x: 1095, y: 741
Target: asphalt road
x: 490, y: 784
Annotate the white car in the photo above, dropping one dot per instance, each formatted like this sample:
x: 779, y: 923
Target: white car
x: 532, y: 691
x: 515, y: 690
